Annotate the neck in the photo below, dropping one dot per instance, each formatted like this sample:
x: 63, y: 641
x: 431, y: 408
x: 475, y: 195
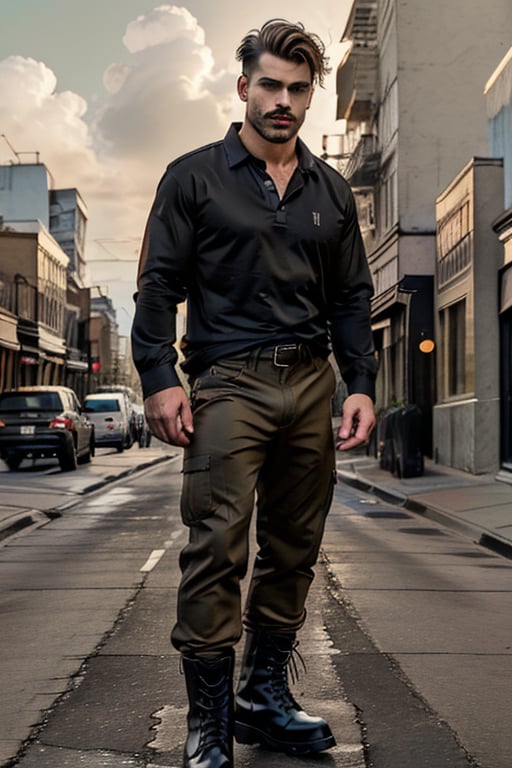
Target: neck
x: 273, y: 154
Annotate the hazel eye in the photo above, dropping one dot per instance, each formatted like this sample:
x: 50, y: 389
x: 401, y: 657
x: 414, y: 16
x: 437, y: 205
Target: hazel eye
x: 299, y: 89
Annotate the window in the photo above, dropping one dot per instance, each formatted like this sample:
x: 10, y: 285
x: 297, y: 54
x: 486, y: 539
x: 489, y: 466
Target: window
x: 101, y: 406
x: 389, y: 200
x: 453, y: 334
x: 37, y: 401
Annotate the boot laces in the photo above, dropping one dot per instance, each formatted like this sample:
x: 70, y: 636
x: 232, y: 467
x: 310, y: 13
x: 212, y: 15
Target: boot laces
x: 214, y: 727
x: 214, y: 723
x: 292, y: 662
x: 279, y: 677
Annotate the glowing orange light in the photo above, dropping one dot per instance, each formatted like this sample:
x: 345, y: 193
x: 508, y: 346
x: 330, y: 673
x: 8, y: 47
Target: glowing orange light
x: 427, y: 346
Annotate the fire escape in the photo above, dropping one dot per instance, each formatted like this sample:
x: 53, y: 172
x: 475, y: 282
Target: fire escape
x: 357, y: 90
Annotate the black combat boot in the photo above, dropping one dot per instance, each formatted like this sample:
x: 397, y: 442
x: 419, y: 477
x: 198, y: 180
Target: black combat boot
x: 210, y: 717
x: 265, y: 711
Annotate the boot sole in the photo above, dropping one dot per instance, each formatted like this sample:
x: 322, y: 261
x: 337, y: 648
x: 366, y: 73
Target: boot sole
x: 245, y: 734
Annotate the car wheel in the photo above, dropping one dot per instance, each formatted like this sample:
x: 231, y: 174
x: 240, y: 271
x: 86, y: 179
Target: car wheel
x: 13, y: 462
x: 120, y: 447
x: 67, y: 458
x: 85, y: 458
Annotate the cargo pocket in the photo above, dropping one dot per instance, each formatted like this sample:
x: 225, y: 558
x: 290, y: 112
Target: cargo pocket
x: 196, y: 495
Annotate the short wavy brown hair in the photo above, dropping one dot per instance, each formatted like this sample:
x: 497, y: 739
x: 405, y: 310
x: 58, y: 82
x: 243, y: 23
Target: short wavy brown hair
x: 288, y: 41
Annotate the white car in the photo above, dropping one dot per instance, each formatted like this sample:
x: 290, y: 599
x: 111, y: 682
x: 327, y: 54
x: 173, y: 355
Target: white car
x: 111, y: 419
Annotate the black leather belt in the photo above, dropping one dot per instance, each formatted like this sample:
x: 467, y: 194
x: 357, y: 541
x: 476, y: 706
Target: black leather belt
x: 285, y: 355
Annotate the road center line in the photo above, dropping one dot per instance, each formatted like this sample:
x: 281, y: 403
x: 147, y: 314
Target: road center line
x: 152, y: 560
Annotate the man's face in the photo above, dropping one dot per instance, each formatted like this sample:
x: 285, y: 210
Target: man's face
x: 278, y: 93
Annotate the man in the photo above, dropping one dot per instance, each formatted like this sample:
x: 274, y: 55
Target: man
x: 261, y: 239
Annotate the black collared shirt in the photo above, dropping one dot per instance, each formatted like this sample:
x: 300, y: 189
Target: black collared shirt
x: 255, y: 270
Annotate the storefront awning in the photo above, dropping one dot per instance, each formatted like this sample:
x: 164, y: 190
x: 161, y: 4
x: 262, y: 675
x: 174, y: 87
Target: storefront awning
x: 50, y: 342
x: 76, y: 365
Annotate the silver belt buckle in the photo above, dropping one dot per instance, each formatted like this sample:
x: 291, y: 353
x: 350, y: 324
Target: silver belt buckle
x: 277, y: 350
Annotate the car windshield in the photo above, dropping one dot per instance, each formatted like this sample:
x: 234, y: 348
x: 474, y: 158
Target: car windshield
x: 101, y: 406
x: 13, y: 402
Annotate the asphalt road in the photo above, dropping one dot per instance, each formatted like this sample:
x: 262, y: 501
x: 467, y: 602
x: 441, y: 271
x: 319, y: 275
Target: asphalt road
x: 87, y: 603
x: 407, y: 643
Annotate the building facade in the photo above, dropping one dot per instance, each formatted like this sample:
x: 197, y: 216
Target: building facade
x: 468, y: 257
x: 35, y: 267
x: 68, y: 223
x: 498, y: 92
x: 9, y: 344
x: 408, y: 89
x: 47, y: 331
x: 103, y: 338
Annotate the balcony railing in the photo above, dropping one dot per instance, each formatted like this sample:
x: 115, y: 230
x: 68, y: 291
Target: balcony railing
x: 362, y: 168
x: 357, y: 76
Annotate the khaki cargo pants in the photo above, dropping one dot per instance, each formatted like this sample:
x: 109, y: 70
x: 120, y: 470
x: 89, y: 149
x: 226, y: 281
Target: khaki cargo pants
x: 260, y: 431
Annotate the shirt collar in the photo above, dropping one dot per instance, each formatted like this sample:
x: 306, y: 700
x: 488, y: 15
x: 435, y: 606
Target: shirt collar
x: 238, y: 154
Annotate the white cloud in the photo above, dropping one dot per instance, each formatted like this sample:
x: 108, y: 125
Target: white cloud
x: 37, y: 118
x: 151, y: 102
x: 169, y: 95
x: 164, y: 24
x: 38, y: 82
x: 166, y: 100
x: 115, y: 76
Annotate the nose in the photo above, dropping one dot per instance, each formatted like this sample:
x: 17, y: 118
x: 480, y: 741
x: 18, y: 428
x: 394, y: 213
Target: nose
x: 283, y: 98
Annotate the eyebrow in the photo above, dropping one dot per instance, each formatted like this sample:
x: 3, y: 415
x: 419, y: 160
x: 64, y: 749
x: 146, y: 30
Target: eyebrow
x: 297, y: 84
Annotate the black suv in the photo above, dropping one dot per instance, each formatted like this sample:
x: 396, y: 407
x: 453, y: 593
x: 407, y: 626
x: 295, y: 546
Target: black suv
x: 44, y: 421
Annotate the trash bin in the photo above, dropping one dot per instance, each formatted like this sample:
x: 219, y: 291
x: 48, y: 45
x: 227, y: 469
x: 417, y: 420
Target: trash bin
x: 401, y: 441
x: 385, y: 440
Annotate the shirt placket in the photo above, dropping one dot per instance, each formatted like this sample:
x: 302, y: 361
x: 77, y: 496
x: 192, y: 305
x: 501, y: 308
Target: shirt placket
x: 271, y: 195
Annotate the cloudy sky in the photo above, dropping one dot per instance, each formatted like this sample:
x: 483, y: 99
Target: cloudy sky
x: 109, y: 91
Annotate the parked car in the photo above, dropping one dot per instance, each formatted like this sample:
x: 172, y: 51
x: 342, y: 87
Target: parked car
x: 131, y: 404
x: 37, y: 422
x: 144, y: 433
x: 111, y: 418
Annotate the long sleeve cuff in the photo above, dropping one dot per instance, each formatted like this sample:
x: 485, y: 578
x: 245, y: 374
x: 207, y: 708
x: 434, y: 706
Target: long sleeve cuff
x: 362, y: 384
x: 157, y: 379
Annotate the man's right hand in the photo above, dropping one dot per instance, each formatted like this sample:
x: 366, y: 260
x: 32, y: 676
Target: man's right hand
x: 169, y: 416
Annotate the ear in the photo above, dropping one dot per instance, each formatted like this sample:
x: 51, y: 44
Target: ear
x: 241, y: 87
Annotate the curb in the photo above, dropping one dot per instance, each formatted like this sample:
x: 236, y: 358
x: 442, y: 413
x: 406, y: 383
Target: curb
x: 21, y: 519
x: 384, y: 493
x: 483, y: 536
x: 111, y: 479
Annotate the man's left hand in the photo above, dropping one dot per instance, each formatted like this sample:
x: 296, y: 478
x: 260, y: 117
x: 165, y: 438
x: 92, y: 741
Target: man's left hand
x: 357, y: 422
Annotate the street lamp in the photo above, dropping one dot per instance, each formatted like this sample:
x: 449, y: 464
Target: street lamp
x: 426, y: 343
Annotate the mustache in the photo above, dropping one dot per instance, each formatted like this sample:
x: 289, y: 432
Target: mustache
x: 280, y: 113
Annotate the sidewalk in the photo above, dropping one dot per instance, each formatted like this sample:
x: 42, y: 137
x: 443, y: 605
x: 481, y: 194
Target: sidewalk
x: 16, y: 517
x: 479, y: 506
